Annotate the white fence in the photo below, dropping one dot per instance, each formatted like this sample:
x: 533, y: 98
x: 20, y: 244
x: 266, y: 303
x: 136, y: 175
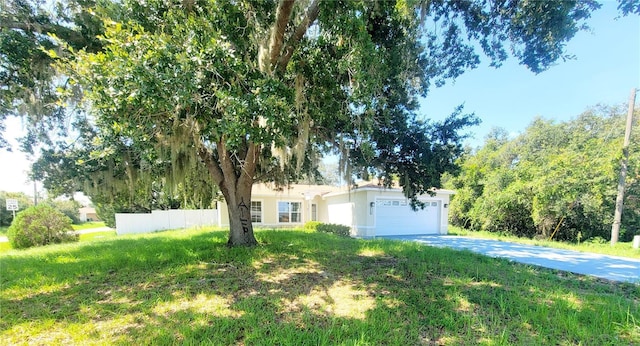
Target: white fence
x: 159, y: 220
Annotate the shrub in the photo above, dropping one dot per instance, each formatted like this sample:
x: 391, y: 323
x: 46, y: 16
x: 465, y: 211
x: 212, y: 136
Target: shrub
x: 596, y: 240
x: 69, y: 208
x: 340, y: 230
x: 107, y: 213
x: 40, y: 225
x: 312, y: 225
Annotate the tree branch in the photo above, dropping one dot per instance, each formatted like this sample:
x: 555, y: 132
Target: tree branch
x: 74, y: 38
x: 212, y: 166
x: 228, y: 171
x: 312, y: 14
x: 283, y: 13
x: 250, y: 161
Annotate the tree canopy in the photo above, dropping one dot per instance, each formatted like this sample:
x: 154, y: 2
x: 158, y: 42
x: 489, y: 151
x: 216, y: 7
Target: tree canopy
x: 259, y: 90
x: 555, y: 177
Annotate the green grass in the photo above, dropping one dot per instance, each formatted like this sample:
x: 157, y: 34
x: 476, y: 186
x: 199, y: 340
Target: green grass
x: 83, y: 226
x: 622, y: 249
x: 88, y: 225
x: 6, y: 246
x: 97, y: 235
x: 297, y: 288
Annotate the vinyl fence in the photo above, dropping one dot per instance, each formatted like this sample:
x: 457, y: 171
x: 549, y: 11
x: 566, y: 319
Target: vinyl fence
x: 159, y: 220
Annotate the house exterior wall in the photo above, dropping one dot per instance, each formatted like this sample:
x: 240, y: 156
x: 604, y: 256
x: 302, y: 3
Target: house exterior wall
x: 270, y: 215
x: 353, y: 202
x: 355, y: 208
x: 364, y: 220
x: 88, y: 214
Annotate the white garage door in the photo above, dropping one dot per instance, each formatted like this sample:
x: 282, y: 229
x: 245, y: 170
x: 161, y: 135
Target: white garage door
x: 395, y: 217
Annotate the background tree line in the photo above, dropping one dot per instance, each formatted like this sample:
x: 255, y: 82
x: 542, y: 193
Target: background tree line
x: 553, y: 176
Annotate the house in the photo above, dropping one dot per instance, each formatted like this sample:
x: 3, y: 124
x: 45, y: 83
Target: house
x: 88, y: 214
x: 370, y: 210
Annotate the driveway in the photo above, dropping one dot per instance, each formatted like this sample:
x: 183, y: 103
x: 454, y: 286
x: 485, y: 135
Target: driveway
x: 602, y: 266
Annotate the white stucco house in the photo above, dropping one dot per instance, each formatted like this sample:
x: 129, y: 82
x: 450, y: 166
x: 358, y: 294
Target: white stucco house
x: 88, y: 214
x: 369, y: 210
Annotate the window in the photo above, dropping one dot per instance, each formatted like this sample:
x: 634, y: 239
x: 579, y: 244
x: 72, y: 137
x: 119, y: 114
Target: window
x: 314, y: 212
x: 289, y: 212
x: 256, y: 211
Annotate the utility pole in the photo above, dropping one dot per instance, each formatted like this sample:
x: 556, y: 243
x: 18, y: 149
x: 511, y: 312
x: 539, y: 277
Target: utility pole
x: 615, y: 228
x: 35, y: 193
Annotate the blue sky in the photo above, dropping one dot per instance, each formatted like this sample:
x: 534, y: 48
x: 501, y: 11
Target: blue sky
x: 607, y: 67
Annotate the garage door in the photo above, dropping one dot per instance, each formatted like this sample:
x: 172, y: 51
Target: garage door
x: 395, y: 217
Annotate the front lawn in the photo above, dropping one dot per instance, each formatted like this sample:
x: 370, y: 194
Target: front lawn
x: 6, y: 246
x: 88, y: 225
x: 297, y: 288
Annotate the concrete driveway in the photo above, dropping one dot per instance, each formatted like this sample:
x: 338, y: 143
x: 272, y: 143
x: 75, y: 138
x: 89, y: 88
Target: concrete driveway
x: 602, y: 266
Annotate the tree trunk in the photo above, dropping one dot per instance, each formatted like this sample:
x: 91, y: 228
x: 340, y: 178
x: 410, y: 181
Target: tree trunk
x: 235, y: 184
x: 240, y: 227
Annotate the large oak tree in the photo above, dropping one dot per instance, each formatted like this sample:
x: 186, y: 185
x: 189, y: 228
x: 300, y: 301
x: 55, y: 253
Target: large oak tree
x: 259, y: 90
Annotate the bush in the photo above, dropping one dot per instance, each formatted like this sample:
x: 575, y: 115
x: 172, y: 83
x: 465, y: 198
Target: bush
x: 312, y: 225
x: 340, y: 230
x: 107, y: 213
x: 40, y: 225
x: 69, y: 208
x: 596, y: 240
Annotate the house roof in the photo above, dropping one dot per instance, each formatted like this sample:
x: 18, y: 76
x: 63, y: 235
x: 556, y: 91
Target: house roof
x: 375, y: 186
x: 294, y: 190
x: 310, y: 191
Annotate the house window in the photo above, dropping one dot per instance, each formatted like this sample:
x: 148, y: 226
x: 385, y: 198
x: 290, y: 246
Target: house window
x: 289, y: 212
x: 314, y: 212
x: 256, y: 211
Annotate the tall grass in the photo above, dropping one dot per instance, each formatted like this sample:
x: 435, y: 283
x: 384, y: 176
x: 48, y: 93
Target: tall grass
x: 297, y: 288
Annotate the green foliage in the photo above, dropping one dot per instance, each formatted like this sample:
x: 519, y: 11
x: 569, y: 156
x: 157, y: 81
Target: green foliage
x: 6, y: 216
x: 227, y: 93
x: 107, y: 213
x: 597, y: 240
x: 340, y: 230
x: 312, y: 225
x: 554, y: 176
x: 30, y: 83
x: 40, y: 225
x: 70, y: 208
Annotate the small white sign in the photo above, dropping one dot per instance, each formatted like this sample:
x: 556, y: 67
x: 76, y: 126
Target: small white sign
x: 12, y: 204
